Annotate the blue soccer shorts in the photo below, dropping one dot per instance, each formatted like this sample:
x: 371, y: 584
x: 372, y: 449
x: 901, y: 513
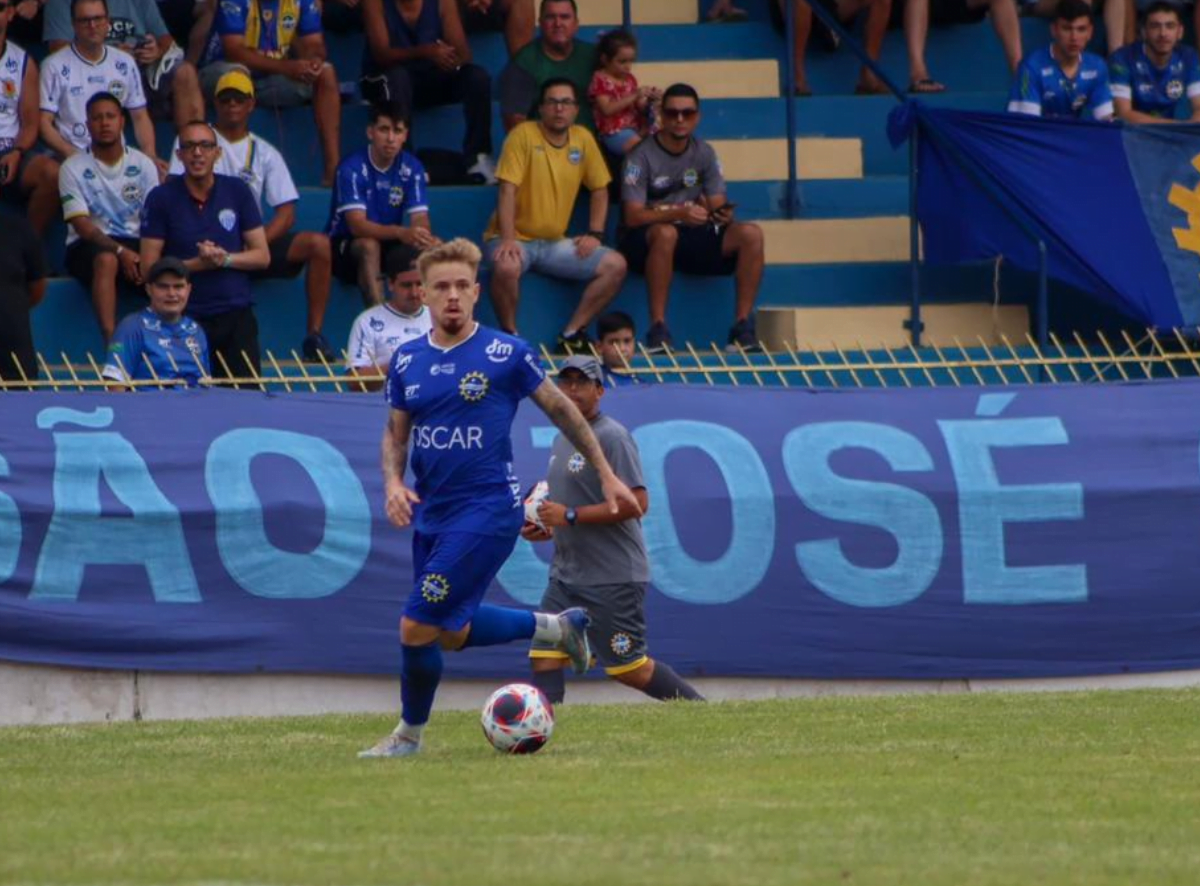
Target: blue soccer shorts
x: 452, y: 572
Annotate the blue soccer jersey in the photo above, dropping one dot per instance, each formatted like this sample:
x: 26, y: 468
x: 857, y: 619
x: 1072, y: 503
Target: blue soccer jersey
x: 462, y: 401
x: 1042, y: 89
x: 1152, y: 90
x: 387, y: 196
x: 145, y: 347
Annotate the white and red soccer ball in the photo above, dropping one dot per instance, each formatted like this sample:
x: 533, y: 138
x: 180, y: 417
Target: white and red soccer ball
x: 518, y: 719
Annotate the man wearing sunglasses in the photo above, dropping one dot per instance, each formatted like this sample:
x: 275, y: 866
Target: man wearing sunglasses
x: 260, y: 165
x: 211, y: 222
x: 677, y: 215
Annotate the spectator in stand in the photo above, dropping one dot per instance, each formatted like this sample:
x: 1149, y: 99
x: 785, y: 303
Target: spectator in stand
x: 378, y: 331
x: 878, y: 14
x: 159, y: 342
x: 260, y: 165
x: 24, y: 175
x: 624, y: 112
x: 280, y: 42
x: 617, y: 337
x: 78, y: 71
x: 213, y: 224
x: 22, y: 286
x: 171, y: 84
x: 513, y: 17
x: 26, y: 25
x: 1064, y: 80
x: 1114, y: 17
x: 103, y: 191
x: 916, y: 15
x: 378, y: 203
x: 556, y: 54
x: 676, y: 214
x: 1152, y: 77
x: 417, y: 55
x: 542, y: 167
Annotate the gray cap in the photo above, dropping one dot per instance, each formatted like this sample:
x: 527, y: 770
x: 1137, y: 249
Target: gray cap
x: 168, y: 264
x: 589, y: 366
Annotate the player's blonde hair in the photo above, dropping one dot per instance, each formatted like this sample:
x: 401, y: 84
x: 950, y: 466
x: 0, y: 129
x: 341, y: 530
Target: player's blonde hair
x: 459, y: 250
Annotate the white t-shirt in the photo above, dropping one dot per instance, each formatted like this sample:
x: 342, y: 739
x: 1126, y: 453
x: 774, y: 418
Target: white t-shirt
x: 256, y: 162
x: 112, y: 195
x: 378, y: 331
x: 12, y: 76
x: 68, y: 80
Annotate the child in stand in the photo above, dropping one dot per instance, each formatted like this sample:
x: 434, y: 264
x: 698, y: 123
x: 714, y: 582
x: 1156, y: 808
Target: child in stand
x: 624, y: 112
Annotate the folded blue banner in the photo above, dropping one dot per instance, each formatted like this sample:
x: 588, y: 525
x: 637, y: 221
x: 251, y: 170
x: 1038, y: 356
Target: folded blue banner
x: 925, y: 533
x: 1117, y: 206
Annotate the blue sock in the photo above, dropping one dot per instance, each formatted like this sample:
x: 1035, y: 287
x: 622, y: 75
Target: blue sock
x: 493, y: 625
x: 420, y: 673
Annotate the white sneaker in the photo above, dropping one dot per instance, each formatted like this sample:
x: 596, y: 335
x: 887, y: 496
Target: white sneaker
x: 485, y: 168
x: 395, y: 745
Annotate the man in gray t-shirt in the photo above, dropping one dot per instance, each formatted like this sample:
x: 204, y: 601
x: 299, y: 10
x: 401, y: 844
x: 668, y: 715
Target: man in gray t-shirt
x: 675, y: 210
x: 599, y: 557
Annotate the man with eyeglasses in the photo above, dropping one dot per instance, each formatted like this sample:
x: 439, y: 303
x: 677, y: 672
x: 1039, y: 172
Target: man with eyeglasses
x: 260, y: 165
x: 542, y: 167
x: 378, y: 331
x: 25, y: 174
x: 211, y: 222
x: 78, y: 71
x: 677, y: 215
x: 103, y: 191
x: 171, y: 85
x: 555, y: 54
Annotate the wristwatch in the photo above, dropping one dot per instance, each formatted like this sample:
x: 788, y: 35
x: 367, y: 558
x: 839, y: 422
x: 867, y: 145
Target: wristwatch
x: 571, y: 516
x: 120, y: 249
x: 599, y: 235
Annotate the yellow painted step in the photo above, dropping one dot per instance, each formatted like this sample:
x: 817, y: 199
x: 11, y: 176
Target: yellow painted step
x: 765, y: 159
x: 645, y: 12
x: 749, y: 78
x: 883, y: 326
x: 833, y: 240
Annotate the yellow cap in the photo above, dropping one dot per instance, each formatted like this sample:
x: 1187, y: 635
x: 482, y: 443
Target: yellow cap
x: 238, y: 81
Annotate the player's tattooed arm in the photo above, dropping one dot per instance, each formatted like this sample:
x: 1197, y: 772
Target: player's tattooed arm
x: 398, y: 498
x: 568, y: 419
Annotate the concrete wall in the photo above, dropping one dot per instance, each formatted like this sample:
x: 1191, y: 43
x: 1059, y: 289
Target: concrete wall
x: 38, y: 695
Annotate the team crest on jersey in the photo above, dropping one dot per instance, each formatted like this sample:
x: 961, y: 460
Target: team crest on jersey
x: 435, y: 588
x: 288, y: 22
x: 690, y: 178
x: 621, y: 643
x: 574, y: 155
x: 576, y: 463
x: 227, y: 218
x: 193, y: 346
x: 1174, y: 89
x: 131, y: 193
x: 473, y: 386
x: 79, y: 130
x: 499, y: 351
x: 395, y: 196
x: 88, y: 175
x: 9, y: 88
x: 117, y: 88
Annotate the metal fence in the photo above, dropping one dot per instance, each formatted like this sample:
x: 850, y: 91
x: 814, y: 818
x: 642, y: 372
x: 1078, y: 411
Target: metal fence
x: 1096, y: 360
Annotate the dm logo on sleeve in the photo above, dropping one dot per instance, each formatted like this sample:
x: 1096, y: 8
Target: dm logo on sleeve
x: 473, y: 386
x: 227, y: 218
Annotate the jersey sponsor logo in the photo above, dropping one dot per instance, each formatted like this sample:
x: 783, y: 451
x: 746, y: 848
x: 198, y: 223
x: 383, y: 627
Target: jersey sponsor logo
x: 227, y: 218
x: 574, y: 155
x: 96, y: 78
x: 76, y: 90
x: 690, y: 178
x: 121, y: 67
x: 435, y: 587
x: 117, y: 88
x: 473, y: 386
x: 442, y: 369
x: 633, y: 173
x: 396, y: 196
x: 410, y: 391
x: 535, y: 365
x: 576, y: 463
x: 444, y: 437
x: 499, y: 351
x: 1087, y: 75
x: 11, y: 64
x: 164, y: 343
x: 661, y: 182
x: 66, y: 71
x: 89, y: 174
x: 376, y: 324
x: 1174, y: 89
x: 402, y: 362
x: 621, y: 643
x: 133, y: 171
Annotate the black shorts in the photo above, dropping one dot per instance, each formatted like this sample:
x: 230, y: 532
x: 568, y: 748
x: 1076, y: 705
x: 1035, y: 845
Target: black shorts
x: 475, y: 22
x: 697, y: 252
x: 345, y: 268
x: 617, y: 633
x: 232, y: 335
x: 942, y: 13
x: 81, y: 257
x: 280, y: 268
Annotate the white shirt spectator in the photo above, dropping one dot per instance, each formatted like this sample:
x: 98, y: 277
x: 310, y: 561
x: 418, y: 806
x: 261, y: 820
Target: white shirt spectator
x: 255, y: 161
x: 68, y: 80
x: 378, y: 331
x: 12, y: 76
x: 112, y: 195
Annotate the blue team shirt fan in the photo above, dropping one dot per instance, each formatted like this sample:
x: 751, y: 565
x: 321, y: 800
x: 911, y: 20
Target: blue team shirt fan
x: 387, y: 196
x: 462, y: 401
x: 1152, y: 90
x: 1042, y: 89
x: 144, y: 347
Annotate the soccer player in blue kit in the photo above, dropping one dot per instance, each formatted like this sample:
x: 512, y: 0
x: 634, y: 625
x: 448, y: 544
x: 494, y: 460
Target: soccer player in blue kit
x: 453, y: 395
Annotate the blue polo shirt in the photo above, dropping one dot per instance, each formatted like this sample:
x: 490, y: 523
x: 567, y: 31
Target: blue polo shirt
x: 172, y: 215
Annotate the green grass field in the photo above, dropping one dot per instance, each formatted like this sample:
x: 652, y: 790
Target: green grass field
x: 1087, y: 788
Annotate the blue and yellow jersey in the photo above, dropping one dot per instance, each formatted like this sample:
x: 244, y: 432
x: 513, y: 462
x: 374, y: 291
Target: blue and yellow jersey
x: 268, y: 26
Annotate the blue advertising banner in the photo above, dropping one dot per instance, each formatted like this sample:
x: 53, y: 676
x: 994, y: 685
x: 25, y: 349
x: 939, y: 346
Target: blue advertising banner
x: 924, y: 533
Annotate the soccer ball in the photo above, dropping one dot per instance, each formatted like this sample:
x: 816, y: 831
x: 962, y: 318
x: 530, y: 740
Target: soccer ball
x: 533, y: 500
x: 518, y: 719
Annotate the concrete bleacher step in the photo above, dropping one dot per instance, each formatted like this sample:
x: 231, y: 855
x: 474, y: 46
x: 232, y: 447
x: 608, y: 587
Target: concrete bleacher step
x: 743, y: 78
x: 830, y: 240
x: 781, y: 328
x: 765, y: 159
x: 643, y: 12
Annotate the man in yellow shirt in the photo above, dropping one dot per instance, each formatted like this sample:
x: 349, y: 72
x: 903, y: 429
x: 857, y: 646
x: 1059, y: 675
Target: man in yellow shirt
x: 542, y: 167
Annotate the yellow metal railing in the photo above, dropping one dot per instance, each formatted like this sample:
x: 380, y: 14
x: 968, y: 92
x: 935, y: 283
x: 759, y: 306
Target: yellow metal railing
x: 1098, y: 359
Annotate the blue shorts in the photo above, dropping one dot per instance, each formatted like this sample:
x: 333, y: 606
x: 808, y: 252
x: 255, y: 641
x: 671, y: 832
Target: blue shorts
x: 554, y: 258
x: 452, y: 571
x: 615, y: 142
